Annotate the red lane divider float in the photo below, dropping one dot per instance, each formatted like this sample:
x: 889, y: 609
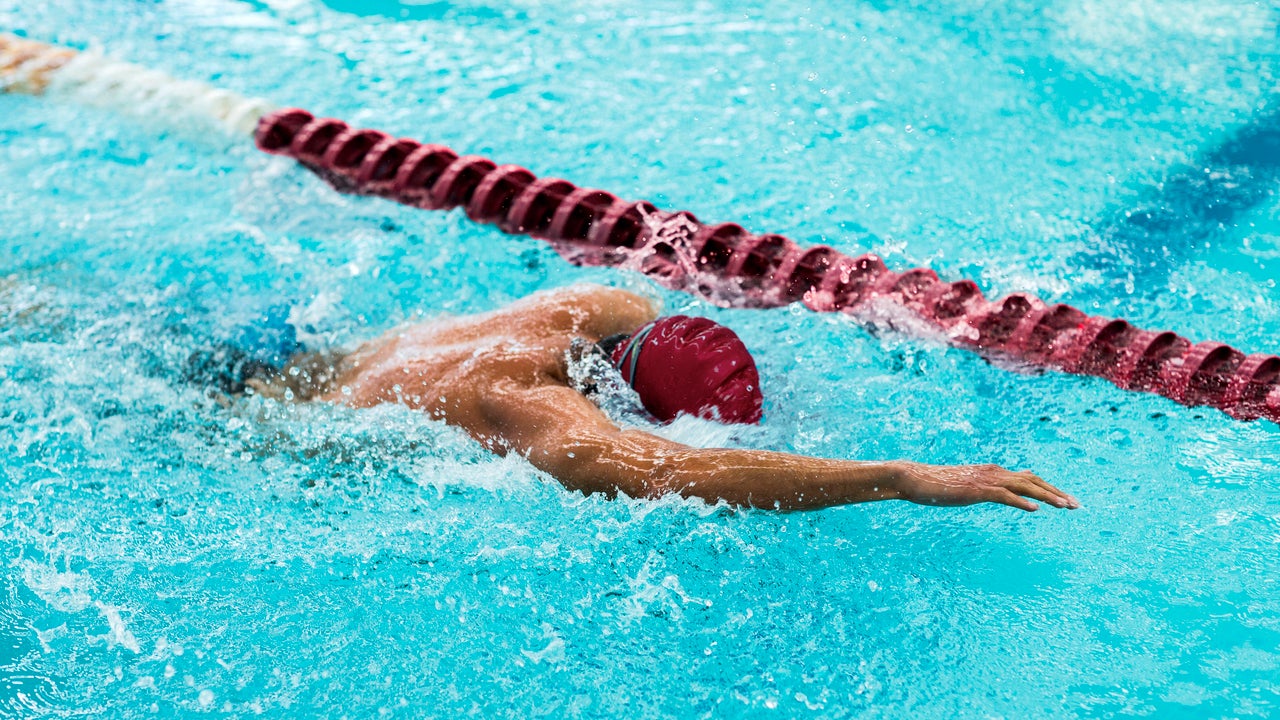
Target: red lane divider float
x: 728, y: 265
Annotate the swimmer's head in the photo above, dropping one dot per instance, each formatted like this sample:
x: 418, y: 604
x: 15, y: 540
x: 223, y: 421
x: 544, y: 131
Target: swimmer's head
x: 682, y: 364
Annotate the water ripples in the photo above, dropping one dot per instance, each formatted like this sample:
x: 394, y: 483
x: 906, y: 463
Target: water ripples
x: 24, y: 693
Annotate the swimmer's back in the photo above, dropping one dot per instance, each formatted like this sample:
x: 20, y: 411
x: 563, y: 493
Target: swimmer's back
x: 445, y: 367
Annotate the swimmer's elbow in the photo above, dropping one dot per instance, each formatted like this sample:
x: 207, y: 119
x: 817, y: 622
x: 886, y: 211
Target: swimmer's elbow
x: 584, y: 293
x: 621, y: 462
x: 627, y: 308
x: 604, y: 311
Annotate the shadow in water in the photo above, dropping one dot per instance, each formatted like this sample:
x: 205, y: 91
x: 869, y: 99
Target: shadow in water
x: 1192, y: 206
x: 400, y: 10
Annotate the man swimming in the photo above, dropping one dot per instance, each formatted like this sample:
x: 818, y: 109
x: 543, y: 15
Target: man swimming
x: 505, y: 379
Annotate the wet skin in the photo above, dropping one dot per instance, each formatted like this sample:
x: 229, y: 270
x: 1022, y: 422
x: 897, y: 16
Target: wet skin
x: 501, y: 376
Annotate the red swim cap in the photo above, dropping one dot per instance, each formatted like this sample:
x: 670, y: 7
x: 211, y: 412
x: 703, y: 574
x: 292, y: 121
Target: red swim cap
x: 681, y: 364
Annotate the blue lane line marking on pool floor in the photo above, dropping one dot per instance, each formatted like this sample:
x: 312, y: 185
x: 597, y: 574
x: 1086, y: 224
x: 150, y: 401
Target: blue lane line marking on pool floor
x: 1195, y: 204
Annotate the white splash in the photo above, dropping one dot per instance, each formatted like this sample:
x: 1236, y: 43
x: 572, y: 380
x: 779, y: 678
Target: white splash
x: 553, y: 652
x: 119, y: 633
x: 69, y: 592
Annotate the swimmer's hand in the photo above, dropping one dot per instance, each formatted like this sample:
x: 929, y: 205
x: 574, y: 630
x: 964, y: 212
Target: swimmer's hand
x: 969, y: 484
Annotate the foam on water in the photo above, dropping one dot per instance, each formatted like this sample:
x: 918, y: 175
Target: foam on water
x: 169, y: 554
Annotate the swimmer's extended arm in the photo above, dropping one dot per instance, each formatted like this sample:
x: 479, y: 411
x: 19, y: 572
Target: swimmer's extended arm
x: 563, y: 434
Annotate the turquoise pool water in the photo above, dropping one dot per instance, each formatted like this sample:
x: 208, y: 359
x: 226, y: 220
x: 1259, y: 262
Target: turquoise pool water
x: 166, y: 556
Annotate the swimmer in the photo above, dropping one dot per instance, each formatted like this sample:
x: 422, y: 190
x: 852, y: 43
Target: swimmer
x: 505, y: 378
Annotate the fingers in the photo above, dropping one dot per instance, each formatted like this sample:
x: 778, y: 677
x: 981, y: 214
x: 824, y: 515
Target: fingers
x: 1041, y: 491
x: 1071, y: 502
x: 1032, y: 486
x: 965, y: 484
x: 1007, y: 497
x: 1050, y: 494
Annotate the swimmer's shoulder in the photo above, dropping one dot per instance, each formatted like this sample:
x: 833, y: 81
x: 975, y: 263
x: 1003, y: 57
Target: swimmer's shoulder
x: 589, y: 310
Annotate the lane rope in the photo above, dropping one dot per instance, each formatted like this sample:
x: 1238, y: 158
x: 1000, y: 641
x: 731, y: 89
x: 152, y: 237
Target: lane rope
x: 35, y: 68
x: 723, y: 263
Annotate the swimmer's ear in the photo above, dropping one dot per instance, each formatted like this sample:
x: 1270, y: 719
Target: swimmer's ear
x: 580, y: 349
x: 576, y: 356
x: 611, y: 343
